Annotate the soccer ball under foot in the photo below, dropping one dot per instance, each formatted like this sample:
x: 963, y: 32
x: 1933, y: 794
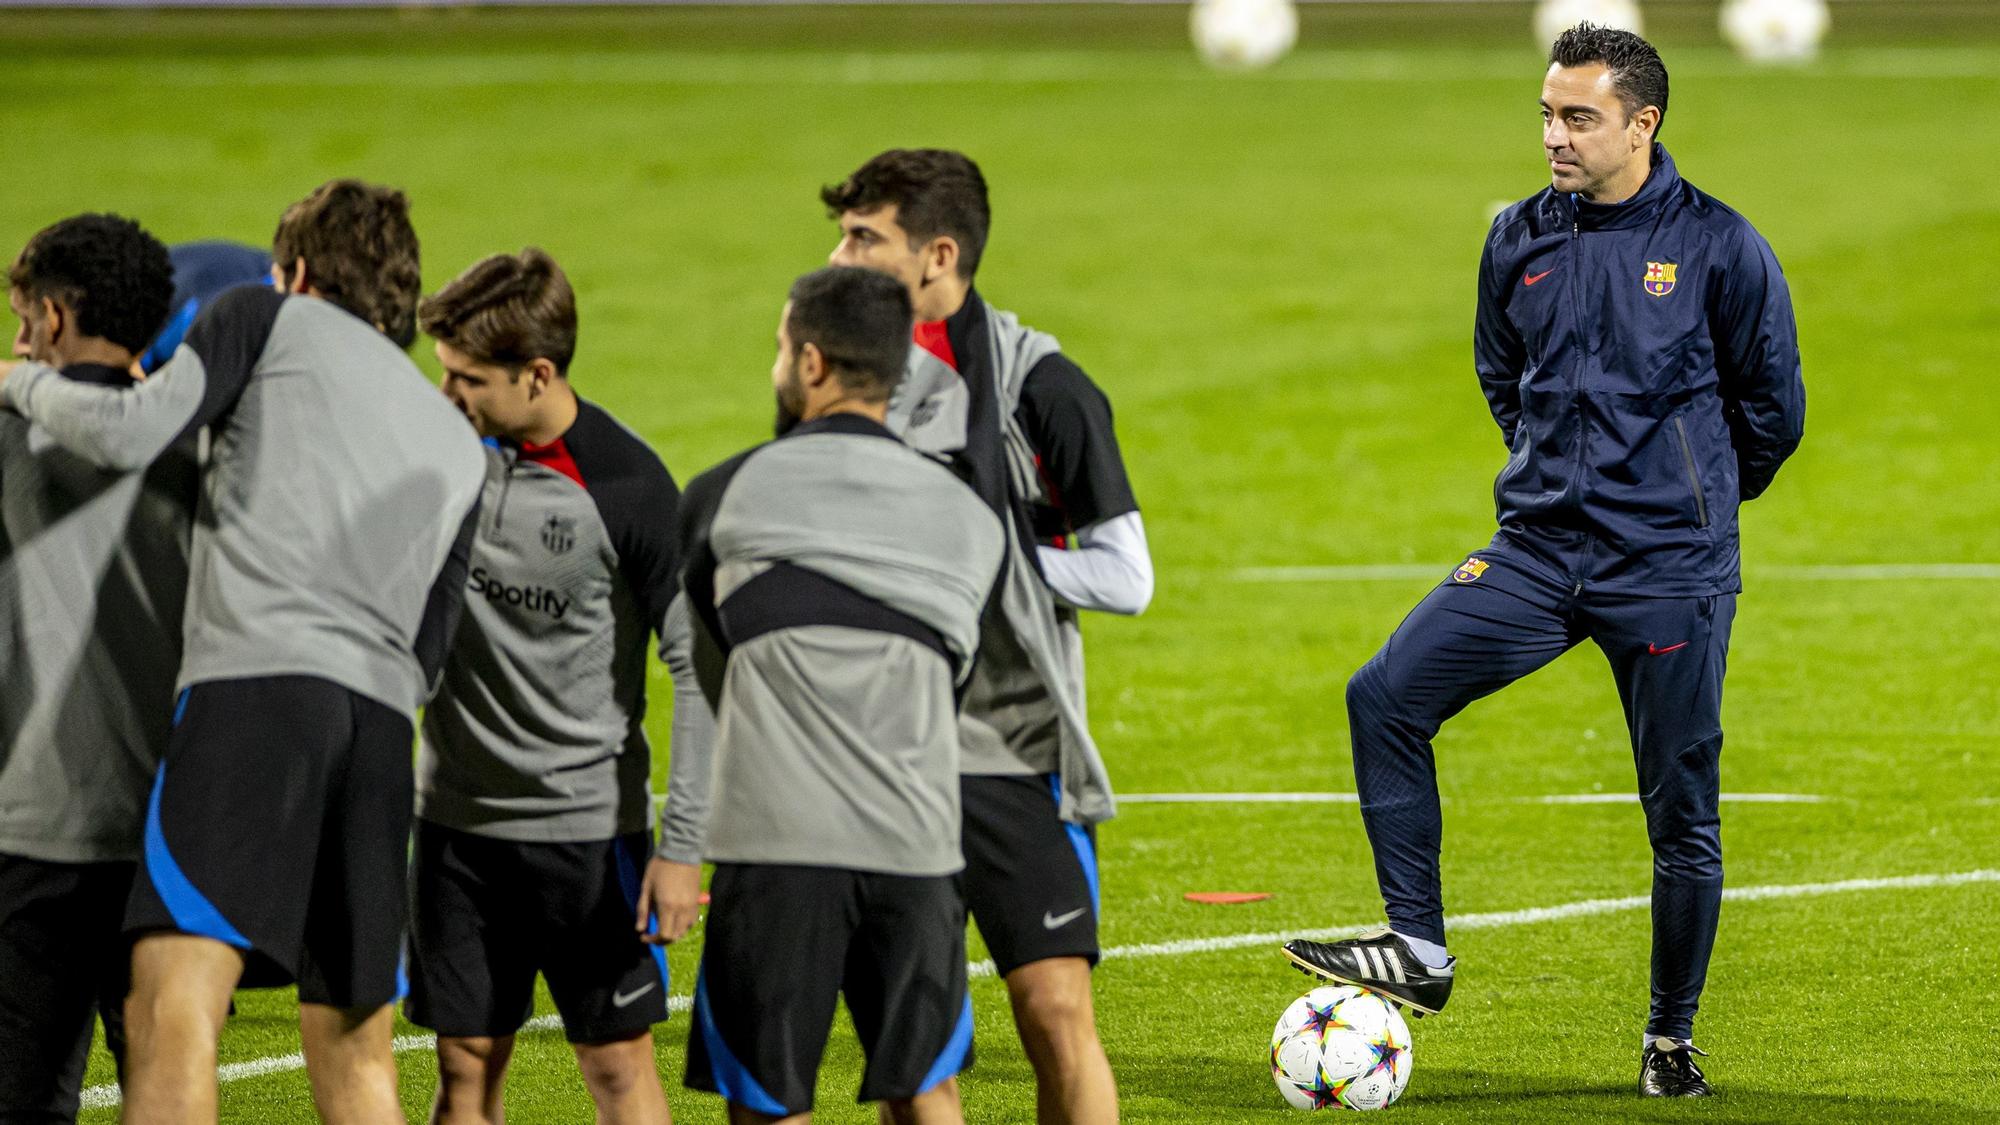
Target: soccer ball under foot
x: 1340, y: 1046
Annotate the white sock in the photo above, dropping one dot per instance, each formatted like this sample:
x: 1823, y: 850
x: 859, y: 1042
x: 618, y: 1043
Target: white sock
x: 1429, y: 952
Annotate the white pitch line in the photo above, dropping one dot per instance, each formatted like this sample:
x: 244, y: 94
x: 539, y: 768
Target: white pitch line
x: 98, y: 1097
x: 1850, y: 572
x: 1633, y: 799
x: 107, y: 1095
x: 1239, y: 798
x: 1355, y: 799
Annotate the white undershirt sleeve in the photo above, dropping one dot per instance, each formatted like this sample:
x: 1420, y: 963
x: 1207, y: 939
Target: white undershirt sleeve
x: 1110, y: 570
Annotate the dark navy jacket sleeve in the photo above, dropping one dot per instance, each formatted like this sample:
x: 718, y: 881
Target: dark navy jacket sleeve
x: 1498, y: 352
x: 1757, y: 360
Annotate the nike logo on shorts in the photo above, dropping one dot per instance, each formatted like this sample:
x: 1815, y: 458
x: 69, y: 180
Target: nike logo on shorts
x: 624, y: 999
x: 1058, y: 921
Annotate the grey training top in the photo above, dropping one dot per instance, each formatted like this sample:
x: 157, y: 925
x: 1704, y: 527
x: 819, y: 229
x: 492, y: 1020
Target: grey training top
x: 339, y: 481
x: 836, y: 577
x: 93, y: 573
x: 537, y: 732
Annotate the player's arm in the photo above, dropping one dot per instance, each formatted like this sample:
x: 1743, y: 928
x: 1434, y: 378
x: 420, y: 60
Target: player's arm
x: 1067, y: 419
x: 445, y: 603
x: 1498, y: 352
x: 669, y: 900
x: 126, y: 428
x: 669, y: 895
x: 1757, y: 358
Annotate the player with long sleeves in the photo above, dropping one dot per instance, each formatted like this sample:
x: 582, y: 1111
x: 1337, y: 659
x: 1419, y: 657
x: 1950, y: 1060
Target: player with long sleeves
x: 1032, y: 434
x: 533, y: 778
x: 1635, y: 341
x: 835, y: 578
x: 328, y: 562
x: 93, y: 575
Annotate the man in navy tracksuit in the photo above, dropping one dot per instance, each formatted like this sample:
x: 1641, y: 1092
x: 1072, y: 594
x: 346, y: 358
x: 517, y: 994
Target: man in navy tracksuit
x: 1636, y: 344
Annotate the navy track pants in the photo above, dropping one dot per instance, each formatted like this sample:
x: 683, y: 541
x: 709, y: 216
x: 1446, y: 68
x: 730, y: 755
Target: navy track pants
x: 1489, y: 625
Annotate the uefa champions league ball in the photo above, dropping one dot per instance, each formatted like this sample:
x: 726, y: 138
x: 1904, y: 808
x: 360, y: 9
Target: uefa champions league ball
x: 1553, y: 17
x: 1243, y: 34
x: 1340, y: 1046
x: 1775, y: 31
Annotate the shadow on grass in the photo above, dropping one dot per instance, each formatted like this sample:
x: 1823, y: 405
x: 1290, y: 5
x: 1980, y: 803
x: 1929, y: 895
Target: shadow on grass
x: 1214, y: 1088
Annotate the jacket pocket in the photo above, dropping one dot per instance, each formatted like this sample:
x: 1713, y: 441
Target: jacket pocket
x: 1693, y: 473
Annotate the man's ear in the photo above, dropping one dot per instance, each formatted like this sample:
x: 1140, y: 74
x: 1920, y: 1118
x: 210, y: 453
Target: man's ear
x: 813, y: 368
x: 1648, y: 120
x: 56, y: 317
x: 940, y: 258
x: 299, y: 281
x: 542, y: 374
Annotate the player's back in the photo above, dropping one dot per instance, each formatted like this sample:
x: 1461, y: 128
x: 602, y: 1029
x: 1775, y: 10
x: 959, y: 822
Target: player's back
x: 337, y: 483
x: 846, y: 574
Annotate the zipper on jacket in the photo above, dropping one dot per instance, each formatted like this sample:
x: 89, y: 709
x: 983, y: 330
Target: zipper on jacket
x: 1582, y: 347
x: 508, y: 460
x: 1694, y: 476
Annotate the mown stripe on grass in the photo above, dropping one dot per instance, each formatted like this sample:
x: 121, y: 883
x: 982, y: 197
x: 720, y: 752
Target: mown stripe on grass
x: 107, y: 1095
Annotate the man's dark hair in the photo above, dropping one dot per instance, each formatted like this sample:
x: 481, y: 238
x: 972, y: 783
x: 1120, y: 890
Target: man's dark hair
x: 1636, y: 70
x: 360, y: 252
x: 860, y: 320
x: 936, y: 192
x: 509, y: 309
x: 115, y: 278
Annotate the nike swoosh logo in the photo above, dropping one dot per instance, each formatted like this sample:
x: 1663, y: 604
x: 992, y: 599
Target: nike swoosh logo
x: 1058, y: 921
x: 1656, y: 650
x: 1530, y: 279
x: 623, y: 999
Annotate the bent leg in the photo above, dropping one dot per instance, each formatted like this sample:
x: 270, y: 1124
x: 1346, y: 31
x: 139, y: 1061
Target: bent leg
x: 181, y: 986
x: 1058, y: 1026
x: 1465, y: 640
x: 1669, y: 656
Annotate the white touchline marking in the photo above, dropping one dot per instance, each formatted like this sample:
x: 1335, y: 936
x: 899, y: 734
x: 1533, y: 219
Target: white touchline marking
x: 1633, y: 799
x: 107, y: 1095
x: 1854, y: 572
x: 1239, y: 798
x: 99, y: 1097
x: 1355, y: 799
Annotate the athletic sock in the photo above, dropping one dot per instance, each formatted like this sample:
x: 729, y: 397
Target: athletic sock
x: 1429, y: 952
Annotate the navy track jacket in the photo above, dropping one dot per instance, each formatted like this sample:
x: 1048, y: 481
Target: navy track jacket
x: 1643, y: 364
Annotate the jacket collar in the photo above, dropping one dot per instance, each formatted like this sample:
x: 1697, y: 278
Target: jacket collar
x: 1640, y: 209
x: 842, y: 423
x: 98, y: 373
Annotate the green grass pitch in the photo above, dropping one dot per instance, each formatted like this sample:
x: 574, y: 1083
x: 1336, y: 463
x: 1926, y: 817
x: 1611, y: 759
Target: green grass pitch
x: 1272, y: 276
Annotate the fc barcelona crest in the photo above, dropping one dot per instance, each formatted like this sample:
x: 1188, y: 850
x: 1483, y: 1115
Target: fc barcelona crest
x: 1470, y: 570
x: 558, y: 534
x: 1659, y: 278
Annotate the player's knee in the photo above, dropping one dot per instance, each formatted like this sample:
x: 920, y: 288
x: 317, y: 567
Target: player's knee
x: 1056, y: 1009
x: 615, y: 1069
x: 1690, y: 854
x: 468, y: 1062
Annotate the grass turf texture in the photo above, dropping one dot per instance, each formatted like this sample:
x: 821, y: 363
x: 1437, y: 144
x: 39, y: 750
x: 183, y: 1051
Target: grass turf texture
x: 1272, y: 276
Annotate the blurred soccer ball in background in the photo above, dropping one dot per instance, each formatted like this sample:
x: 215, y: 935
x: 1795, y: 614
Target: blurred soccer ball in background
x: 1243, y: 34
x: 1340, y: 1046
x: 1553, y: 17
x: 1775, y: 31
